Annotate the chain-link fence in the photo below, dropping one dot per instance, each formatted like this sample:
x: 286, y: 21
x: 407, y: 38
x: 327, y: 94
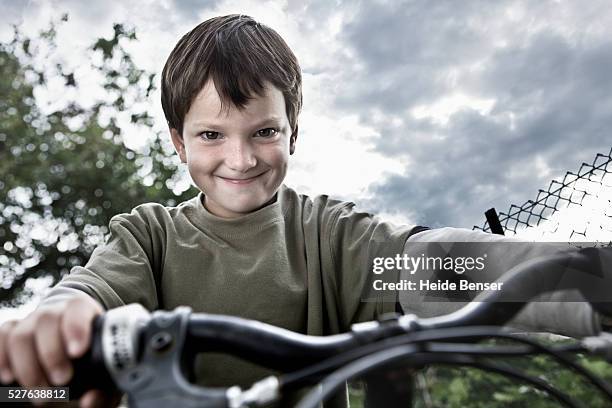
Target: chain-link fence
x: 578, y: 208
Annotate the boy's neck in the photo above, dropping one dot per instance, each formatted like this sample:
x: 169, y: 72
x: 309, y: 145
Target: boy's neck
x: 267, y: 203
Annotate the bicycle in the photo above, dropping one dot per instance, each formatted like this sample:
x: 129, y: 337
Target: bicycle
x: 147, y: 355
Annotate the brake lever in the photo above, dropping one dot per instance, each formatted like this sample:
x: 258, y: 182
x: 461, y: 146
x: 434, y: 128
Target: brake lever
x: 148, y: 359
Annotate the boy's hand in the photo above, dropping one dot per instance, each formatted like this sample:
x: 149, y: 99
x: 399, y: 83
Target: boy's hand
x: 36, y: 351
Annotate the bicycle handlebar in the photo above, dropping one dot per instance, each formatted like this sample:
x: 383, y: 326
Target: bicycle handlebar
x: 150, y: 355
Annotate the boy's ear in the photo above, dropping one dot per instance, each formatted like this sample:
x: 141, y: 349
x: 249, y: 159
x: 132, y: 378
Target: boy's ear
x: 292, y: 140
x: 179, y: 144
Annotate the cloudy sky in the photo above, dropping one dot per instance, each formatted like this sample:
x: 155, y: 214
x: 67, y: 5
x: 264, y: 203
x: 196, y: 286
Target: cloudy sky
x: 429, y: 112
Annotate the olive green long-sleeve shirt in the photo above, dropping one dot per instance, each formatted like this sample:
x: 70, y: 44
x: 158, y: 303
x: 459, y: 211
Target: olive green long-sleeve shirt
x: 300, y: 263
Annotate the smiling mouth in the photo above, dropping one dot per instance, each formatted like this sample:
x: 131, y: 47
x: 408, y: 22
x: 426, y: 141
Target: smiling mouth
x: 241, y: 181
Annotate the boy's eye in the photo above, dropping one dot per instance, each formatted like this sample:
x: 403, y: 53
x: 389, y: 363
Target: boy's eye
x: 210, y: 135
x: 268, y: 132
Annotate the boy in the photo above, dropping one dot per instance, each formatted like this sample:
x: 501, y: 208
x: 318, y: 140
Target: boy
x: 247, y: 245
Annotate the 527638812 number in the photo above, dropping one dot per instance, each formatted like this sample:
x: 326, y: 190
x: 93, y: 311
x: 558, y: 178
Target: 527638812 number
x: 18, y: 394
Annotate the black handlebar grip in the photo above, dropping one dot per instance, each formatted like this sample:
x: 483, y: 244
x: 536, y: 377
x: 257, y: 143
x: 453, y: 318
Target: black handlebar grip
x: 89, y: 371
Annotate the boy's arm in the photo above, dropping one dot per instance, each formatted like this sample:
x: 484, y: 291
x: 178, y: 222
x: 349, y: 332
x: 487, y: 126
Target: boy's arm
x: 559, y: 315
x: 37, y: 350
x: 119, y: 272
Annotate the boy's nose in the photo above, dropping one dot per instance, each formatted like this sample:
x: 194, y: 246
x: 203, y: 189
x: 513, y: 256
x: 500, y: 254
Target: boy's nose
x: 241, y: 157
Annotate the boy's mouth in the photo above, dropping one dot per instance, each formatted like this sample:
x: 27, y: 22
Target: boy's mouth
x: 240, y: 181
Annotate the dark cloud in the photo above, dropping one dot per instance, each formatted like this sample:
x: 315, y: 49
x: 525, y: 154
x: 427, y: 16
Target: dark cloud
x: 552, y: 93
x: 403, y: 51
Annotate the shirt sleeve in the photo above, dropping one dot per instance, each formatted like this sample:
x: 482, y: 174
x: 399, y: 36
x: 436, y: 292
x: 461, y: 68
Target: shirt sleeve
x: 120, y: 271
x: 356, y: 239
x: 559, y: 314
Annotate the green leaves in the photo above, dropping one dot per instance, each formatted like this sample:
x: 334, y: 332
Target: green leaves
x: 470, y: 387
x: 463, y: 387
x: 108, y: 47
x: 65, y: 172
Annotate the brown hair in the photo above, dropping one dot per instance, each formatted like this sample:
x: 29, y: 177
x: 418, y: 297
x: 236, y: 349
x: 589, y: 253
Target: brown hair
x: 239, y: 55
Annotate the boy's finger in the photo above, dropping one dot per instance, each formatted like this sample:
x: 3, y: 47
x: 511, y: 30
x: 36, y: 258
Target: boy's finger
x: 23, y: 356
x: 50, y: 347
x: 6, y: 374
x: 97, y: 398
x: 90, y: 399
x: 76, y: 325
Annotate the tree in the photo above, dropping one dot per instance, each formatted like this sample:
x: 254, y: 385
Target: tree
x: 65, y: 173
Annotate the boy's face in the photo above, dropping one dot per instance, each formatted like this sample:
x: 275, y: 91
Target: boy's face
x: 238, y: 158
